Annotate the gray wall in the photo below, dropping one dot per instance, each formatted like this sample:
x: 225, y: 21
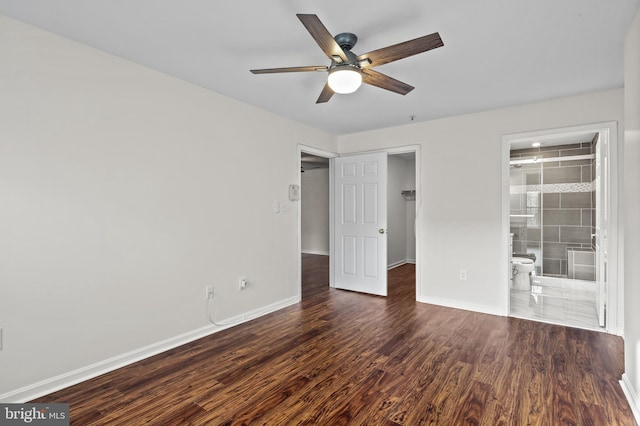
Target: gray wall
x: 559, y: 234
x: 125, y: 192
x: 400, y: 212
x: 314, y: 202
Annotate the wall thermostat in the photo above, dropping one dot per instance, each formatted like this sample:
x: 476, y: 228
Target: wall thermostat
x: 294, y: 192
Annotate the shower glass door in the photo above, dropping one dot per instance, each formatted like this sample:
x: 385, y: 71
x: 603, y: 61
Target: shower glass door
x: 526, y: 211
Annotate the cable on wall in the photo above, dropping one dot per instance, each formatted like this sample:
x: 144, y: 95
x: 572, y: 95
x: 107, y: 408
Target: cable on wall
x: 211, y: 313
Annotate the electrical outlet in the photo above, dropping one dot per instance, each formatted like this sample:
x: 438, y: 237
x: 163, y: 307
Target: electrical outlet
x: 209, y: 292
x: 463, y: 274
x: 242, y: 284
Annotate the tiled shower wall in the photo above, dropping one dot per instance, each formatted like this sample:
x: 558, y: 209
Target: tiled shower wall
x: 559, y: 199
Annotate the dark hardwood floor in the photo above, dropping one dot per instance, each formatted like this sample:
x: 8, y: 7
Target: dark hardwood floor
x: 340, y: 357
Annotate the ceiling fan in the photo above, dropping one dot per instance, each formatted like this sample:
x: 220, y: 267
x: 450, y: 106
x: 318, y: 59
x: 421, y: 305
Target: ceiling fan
x: 347, y: 71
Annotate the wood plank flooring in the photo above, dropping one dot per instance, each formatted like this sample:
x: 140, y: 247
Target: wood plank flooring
x: 342, y: 358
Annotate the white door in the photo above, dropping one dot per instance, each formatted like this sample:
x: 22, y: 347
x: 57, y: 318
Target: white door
x: 360, y: 223
x: 601, y: 225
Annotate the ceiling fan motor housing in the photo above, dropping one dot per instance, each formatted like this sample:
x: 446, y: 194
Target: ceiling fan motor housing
x: 346, y: 40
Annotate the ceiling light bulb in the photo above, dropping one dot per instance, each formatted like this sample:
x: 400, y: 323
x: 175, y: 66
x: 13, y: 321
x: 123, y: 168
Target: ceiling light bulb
x: 536, y: 144
x: 344, y: 79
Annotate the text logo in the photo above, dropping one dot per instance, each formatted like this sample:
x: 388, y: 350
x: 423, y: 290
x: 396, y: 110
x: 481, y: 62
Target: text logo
x: 34, y: 414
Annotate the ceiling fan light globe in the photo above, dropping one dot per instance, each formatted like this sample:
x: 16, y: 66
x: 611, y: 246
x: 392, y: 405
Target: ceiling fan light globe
x: 344, y: 80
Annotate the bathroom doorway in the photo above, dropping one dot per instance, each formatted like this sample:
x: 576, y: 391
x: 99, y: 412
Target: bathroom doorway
x: 559, y: 199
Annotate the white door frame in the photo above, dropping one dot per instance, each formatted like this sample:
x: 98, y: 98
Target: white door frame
x: 320, y: 153
x: 614, y: 297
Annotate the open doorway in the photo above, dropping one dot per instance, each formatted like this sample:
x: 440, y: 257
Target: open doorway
x: 316, y: 224
x: 401, y: 216
x: 560, y: 192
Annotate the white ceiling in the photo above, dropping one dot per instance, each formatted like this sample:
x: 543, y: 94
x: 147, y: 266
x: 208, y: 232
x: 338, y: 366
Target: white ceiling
x: 496, y: 52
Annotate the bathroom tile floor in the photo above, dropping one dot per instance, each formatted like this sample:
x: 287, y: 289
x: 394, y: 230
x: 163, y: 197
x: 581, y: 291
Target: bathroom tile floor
x: 559, y: 305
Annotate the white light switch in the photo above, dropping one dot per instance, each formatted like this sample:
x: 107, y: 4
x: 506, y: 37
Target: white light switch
x: 294, y: 192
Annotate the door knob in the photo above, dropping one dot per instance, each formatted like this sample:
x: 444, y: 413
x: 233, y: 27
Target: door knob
x: 381, y: 230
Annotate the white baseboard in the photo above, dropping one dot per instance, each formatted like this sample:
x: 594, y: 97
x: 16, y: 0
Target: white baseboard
x: 400, y: 263
x: 53, y: 384
x: 396, y: 264
x: 318, y: 252
x: 632, y: 397
x: 458, y: 305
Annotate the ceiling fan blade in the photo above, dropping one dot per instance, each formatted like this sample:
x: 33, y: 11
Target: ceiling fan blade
x: 401, y: 50
x: 290, y: 69
x: 322, y: 36
x: 383, y: 81
x: 325, y: 95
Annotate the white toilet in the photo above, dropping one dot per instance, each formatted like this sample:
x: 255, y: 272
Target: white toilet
x: 521, y: 268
